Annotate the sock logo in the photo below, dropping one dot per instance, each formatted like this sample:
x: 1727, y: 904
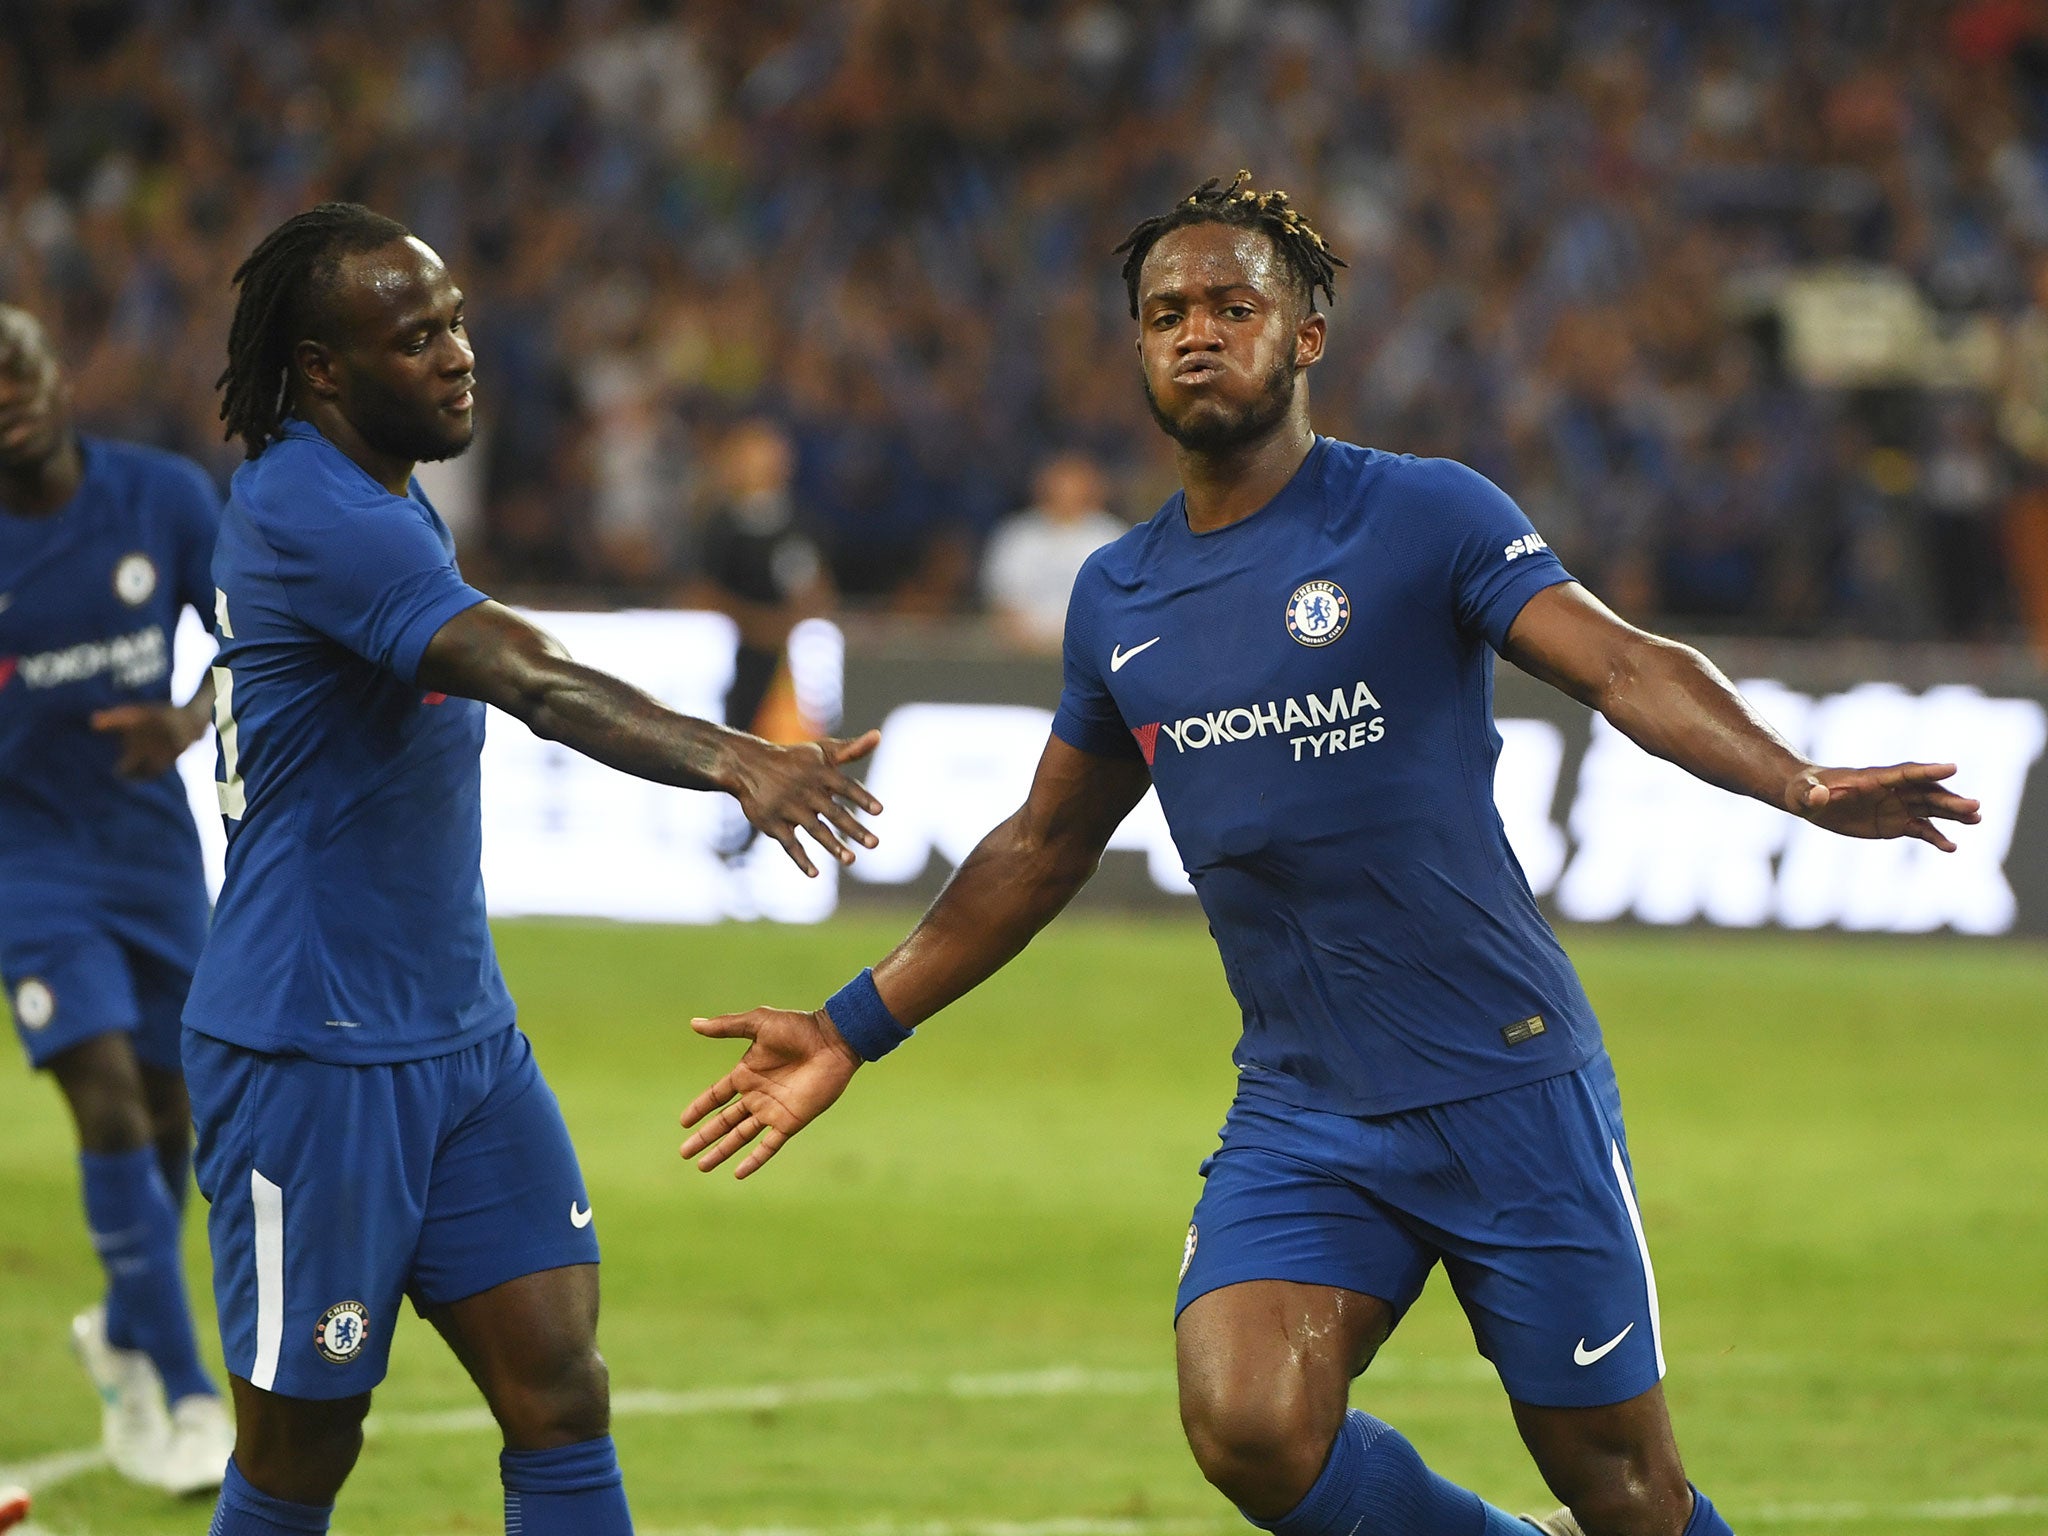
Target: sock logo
x: 34, y: 1003
x: 344, y: 1329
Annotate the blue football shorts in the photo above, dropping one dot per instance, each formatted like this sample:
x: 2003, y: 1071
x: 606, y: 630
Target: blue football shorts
x: 1526, y: 1196
x: 336, y: 1190
x: 72, y: 974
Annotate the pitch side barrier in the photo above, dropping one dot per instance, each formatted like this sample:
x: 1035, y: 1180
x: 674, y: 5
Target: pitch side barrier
x: 1604, y: 832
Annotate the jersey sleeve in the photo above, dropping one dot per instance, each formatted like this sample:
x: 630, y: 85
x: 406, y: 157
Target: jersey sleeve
x: 370, y: 573
x: 192, y: 503
x: 1088, y: 719
x: 1496, y: 558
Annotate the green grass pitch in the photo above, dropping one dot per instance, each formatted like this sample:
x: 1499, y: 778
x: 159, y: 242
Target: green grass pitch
x: 946, y: 1308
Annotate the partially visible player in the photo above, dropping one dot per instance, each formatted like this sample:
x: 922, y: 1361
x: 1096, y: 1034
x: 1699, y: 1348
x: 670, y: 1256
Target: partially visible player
x: 1297, y: 650
x: 371, y: 1121
x: 102, y: 895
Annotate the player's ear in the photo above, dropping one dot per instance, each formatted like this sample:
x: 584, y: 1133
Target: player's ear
x: 1308, y: 339
x: 314, y: 363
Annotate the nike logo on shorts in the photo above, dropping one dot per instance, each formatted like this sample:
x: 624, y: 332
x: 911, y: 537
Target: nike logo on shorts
x: 1585, y: 1356
x: 580, y: 1219
x: 1118, y: 655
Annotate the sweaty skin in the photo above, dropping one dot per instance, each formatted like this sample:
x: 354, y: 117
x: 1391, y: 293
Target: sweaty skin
x: 1265, y: 1367
x: 390, y: 380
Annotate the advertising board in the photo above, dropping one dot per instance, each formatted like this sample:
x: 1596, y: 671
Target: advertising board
x: 1604, y: 831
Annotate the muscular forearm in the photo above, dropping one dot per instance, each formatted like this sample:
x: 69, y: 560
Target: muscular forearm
x: 1011, y: 886
x: 618, y: 725
x: 1673, y: 702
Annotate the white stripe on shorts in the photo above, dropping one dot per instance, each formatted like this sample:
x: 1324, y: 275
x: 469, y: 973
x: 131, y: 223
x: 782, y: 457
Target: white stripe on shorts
x: 1635, y: 1219
x: 268, y: 1201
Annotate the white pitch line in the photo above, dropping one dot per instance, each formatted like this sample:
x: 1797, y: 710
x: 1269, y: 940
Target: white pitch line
x: 1060, y: 1381
x: 57, y: 1467
x: 1988, y: 1507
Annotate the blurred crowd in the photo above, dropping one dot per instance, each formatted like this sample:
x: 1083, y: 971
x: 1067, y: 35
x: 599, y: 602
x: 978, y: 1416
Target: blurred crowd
x: 1745, y: 300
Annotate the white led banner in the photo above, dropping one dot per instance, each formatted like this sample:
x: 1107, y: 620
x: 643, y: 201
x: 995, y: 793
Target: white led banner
x: 566, y: 836
x: 1603, y: 830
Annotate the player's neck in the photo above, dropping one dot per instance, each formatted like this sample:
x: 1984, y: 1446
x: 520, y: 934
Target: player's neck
x: 394, y: 474
x: 1228, y: 485
x: 46, y: 487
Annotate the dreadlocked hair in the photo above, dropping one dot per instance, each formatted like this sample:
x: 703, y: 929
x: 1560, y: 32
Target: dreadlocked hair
x: 281, y: 284
x: 1242, y: 206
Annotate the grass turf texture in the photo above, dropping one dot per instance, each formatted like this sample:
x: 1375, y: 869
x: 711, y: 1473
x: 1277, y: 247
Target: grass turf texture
x: 1839, y: 1144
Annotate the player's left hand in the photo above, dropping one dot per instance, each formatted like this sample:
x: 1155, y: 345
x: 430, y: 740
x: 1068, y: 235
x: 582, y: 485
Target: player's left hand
x: 794, y: 1071
x: 153, y: 736
x: 1903, y: 800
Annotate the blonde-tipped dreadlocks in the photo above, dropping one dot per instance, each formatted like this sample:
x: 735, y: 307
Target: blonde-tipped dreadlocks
x: 1306, y: 252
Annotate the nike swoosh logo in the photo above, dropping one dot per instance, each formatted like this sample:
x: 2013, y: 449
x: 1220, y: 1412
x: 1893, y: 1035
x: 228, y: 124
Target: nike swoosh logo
x: 1118, y: 655
x: 581, y: 1219
x: 1585, y: 1356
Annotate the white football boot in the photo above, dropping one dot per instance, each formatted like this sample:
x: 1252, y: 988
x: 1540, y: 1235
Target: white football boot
x: 135, y: 1427
x: 14, y: 1506
x: 202, y: 1439
x: 1559, y: 1522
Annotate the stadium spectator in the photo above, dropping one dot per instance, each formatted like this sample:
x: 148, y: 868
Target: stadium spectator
x: 882, y: 222
x: 757, y: 563
x: 1033, y: 558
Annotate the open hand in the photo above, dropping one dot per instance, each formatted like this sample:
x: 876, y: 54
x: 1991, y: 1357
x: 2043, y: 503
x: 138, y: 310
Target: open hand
x: 153, y: 736
x: 783, y: 788
x: 795, y: 1069
x: 1903, y: 800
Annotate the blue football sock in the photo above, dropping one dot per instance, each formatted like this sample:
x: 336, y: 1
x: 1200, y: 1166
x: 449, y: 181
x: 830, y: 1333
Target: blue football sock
x: 573, y: 1490
x: 1374, y: 1484
x: 135, y: 1228
x: 1706, y: 1520
x: 246, y: 1511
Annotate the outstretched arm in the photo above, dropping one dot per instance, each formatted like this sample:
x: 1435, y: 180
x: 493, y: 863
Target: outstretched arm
x: 1671, y: 701
x: 488, y: 652
x: 1013, y: 884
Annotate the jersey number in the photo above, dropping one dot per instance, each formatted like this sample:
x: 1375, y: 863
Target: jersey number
x: 234, y: 798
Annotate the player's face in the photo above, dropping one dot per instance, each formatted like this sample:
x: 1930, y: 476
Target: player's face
x: 1221, y: 335
x: 401, y: 369
x: 34, y: 418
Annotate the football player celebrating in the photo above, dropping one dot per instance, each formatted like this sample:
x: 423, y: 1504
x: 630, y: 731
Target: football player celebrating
x: 102, y: 891
x: 371, y: 1122
x: 1297, y: 651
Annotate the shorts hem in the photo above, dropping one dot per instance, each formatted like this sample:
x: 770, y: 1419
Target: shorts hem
x: 1590, y: 1397
x: 1186, y: 1298
x: 514, y: 1267
x: 39, y: 1061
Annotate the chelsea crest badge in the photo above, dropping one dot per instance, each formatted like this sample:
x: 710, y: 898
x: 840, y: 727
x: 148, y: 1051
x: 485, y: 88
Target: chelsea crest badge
x: 1318, y: 612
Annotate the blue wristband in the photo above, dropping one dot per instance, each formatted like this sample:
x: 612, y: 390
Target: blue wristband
x: 864, y: 1020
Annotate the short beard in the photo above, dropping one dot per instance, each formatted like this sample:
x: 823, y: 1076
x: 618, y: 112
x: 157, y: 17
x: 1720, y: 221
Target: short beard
x: 1217, y: 434
x: 393, y: 425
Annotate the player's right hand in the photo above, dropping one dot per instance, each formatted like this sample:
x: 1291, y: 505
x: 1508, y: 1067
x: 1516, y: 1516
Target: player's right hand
x: 795, y: 1069
x: 783, y: 788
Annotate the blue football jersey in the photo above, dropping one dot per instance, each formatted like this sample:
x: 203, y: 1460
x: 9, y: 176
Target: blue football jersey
x: 89, y: 603
x: 350, y: 927
x: 1312, y: 688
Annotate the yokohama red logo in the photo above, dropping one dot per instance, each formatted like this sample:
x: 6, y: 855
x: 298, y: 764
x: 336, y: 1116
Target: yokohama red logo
x: 7, y: 676
x: 1148, y: 740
